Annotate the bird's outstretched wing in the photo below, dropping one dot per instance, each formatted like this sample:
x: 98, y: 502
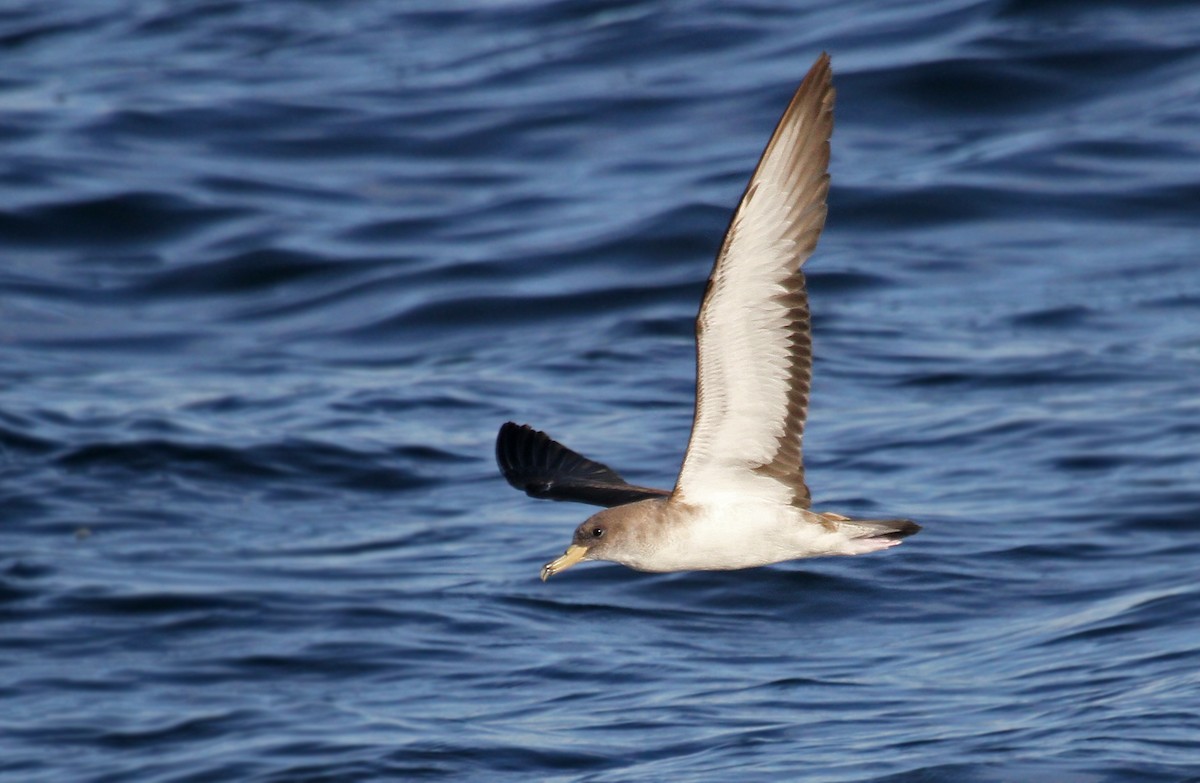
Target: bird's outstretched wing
x: 542, y: 468
x: 753, y: 340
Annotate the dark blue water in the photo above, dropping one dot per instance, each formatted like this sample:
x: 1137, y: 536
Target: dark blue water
x: 273, y: 273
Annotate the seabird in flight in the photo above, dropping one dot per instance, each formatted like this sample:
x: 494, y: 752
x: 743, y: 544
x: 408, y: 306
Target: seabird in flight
x: 740, y: 500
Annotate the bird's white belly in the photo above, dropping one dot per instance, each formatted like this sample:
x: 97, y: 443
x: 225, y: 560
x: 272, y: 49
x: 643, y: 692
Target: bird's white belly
x: 738, y: 536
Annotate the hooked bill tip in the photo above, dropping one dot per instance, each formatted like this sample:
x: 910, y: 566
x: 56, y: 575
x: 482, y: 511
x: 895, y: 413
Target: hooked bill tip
x: 573, y: 555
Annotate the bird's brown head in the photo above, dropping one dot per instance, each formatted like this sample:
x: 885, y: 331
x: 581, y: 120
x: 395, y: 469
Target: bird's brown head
x: 592, y: 541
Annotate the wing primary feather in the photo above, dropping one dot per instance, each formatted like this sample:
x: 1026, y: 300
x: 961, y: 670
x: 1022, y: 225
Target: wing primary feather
x: 531, y: 461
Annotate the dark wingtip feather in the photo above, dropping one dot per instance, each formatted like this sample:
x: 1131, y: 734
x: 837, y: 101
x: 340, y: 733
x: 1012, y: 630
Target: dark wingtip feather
x: 531, y: 459
x: 533, y: 462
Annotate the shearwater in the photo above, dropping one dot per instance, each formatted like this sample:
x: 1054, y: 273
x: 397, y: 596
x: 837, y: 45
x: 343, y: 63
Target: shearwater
x: 740, y: 500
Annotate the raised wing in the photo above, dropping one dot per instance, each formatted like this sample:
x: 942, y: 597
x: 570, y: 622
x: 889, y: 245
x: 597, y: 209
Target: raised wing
x: 543, y: 468
x: 753, y: 340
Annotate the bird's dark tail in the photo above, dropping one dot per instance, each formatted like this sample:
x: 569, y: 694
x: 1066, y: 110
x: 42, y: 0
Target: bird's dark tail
x: 890, y: 529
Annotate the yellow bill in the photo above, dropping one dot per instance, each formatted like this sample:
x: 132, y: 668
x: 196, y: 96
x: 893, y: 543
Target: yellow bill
x: 573, y: 555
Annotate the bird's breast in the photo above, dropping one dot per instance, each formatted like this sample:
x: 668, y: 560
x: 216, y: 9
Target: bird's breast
x: 691, y: 538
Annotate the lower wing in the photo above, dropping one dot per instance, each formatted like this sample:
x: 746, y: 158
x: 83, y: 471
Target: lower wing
x: 534, y: 463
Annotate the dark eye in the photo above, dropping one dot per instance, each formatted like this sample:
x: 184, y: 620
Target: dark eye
x: 597, y: 532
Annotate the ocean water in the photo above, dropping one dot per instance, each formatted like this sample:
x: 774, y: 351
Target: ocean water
x: 273, y: 273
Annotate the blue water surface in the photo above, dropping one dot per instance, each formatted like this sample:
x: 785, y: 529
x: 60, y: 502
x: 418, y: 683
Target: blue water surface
x: 273, y: 273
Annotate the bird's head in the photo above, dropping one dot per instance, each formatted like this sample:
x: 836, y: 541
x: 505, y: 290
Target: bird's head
x: 604, y: 536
